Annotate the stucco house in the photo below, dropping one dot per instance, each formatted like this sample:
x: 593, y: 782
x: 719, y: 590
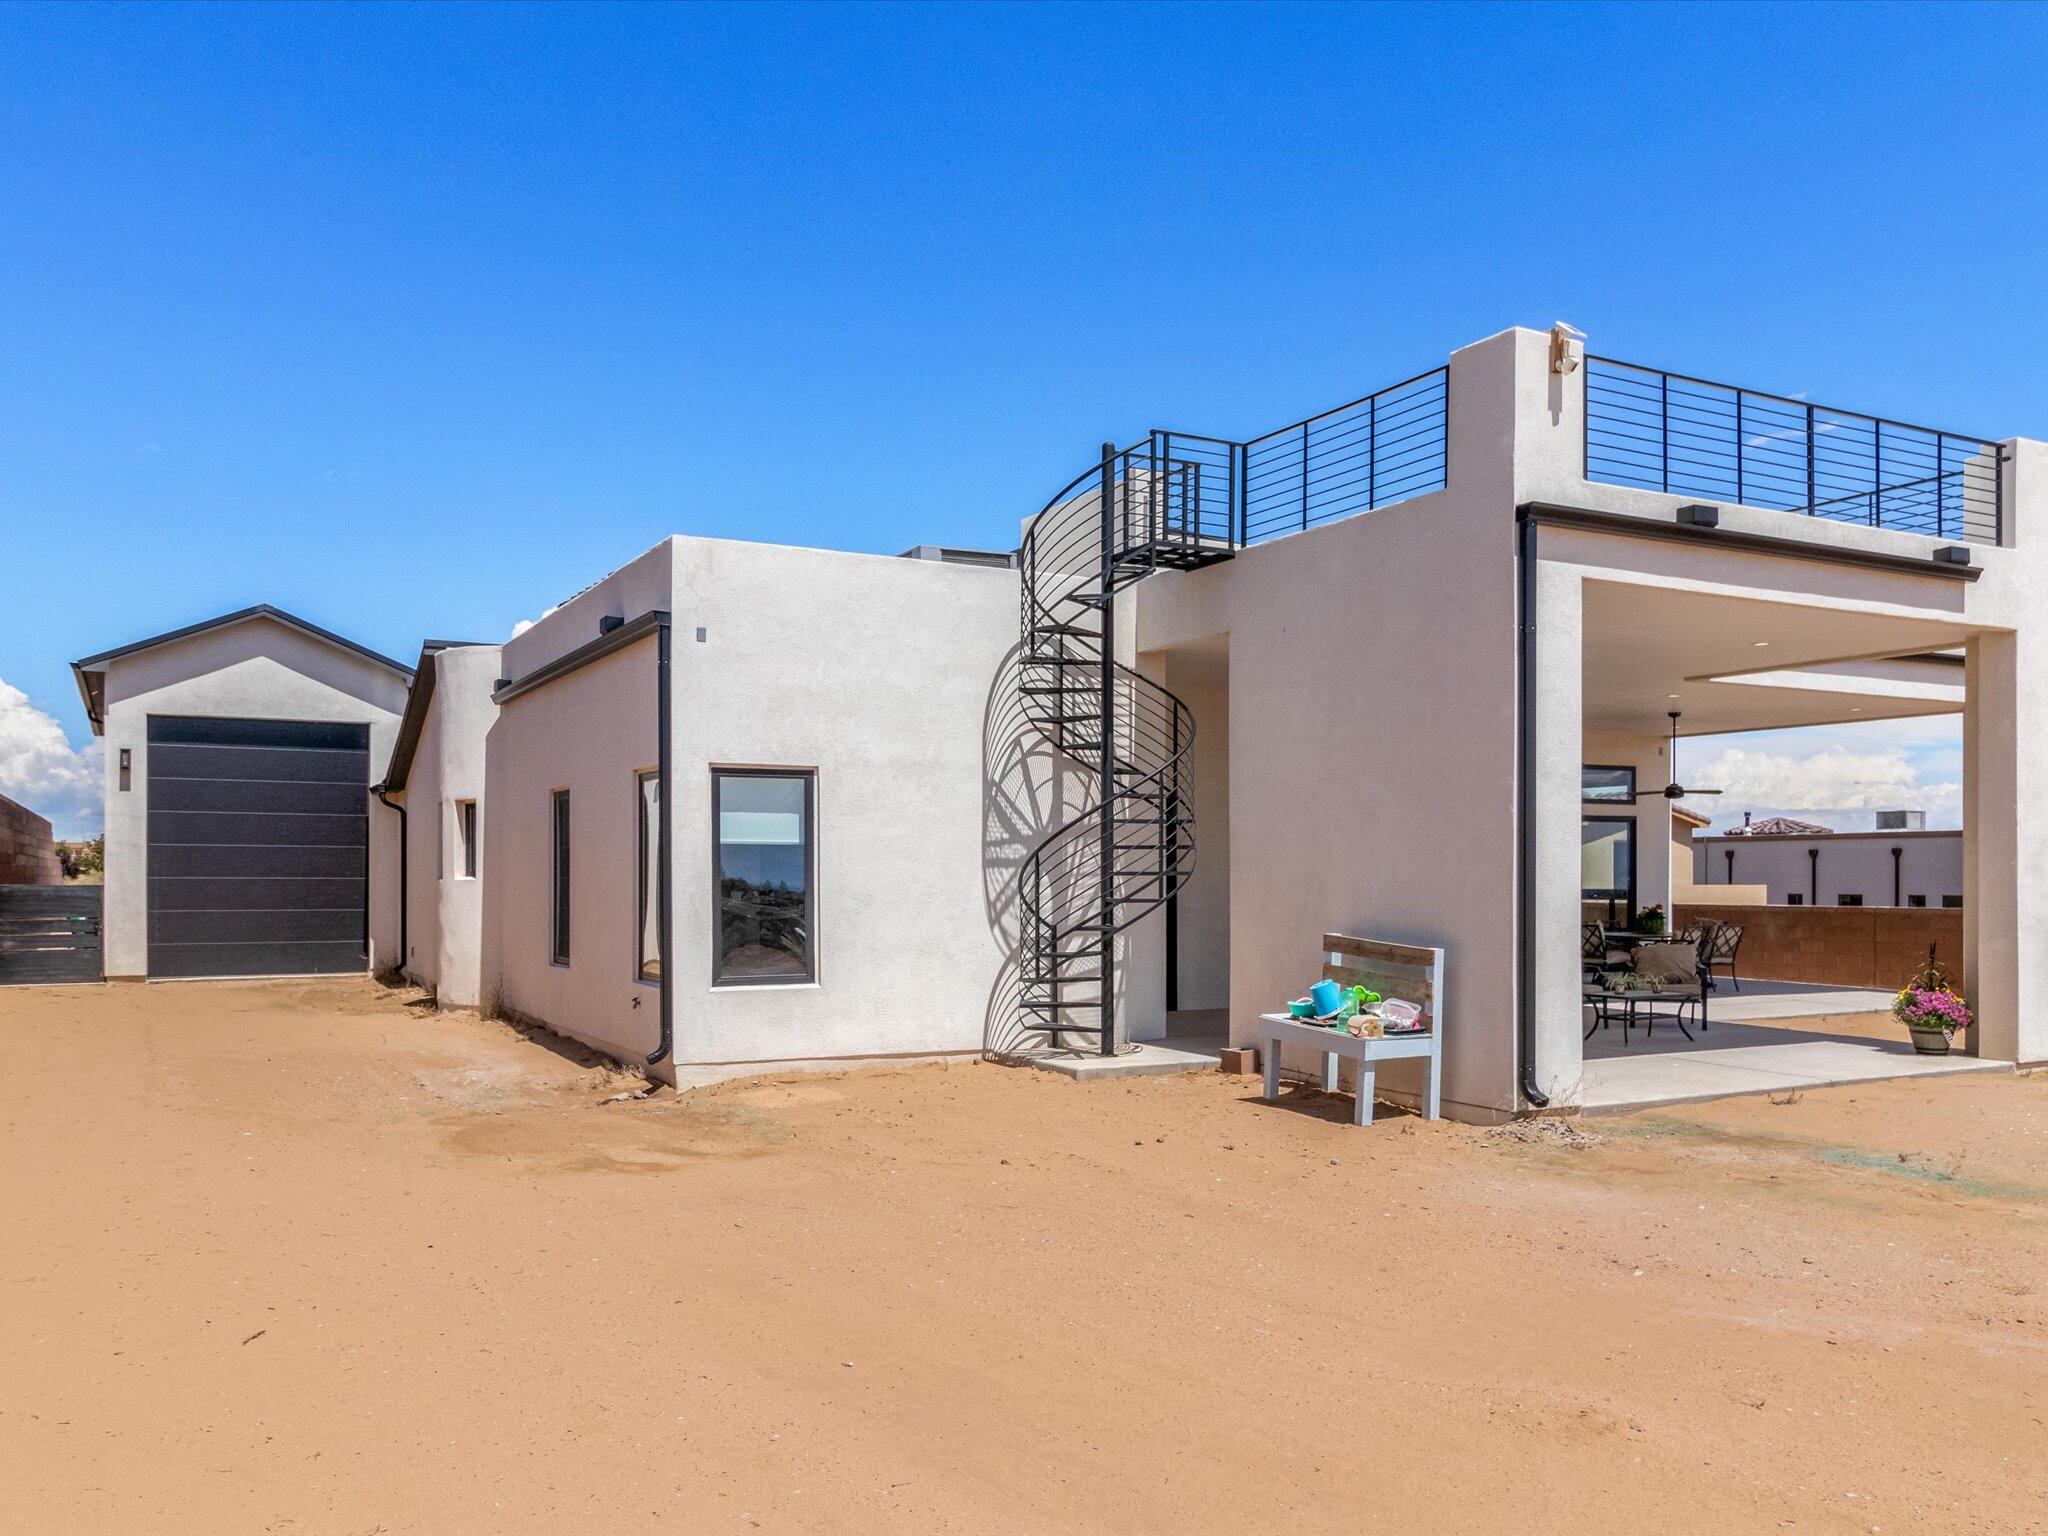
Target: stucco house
x: 1389, y: 670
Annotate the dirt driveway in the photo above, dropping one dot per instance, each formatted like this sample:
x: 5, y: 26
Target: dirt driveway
x: 303, y: 1259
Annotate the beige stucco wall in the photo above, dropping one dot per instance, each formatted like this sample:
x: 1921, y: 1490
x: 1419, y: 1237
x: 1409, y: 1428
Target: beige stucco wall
x: 257, y: 669
x: 590, y: 733
x: 445, y: 931
x: 1353, y: 808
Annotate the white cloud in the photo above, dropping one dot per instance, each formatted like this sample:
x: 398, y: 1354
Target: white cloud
x: 522, y: 627
x: 1833, y: 776
x: 42, y: 770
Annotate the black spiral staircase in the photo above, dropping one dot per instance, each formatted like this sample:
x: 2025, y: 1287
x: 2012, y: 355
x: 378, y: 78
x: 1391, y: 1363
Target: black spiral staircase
x: 1167, y: 504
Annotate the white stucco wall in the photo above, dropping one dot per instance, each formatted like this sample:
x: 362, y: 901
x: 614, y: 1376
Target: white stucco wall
x: 256, y: 669
x: 1930, y: 864
x: 885, y: 677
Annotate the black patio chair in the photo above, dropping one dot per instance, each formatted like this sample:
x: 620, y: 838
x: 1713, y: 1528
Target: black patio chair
x: 1721, y: 947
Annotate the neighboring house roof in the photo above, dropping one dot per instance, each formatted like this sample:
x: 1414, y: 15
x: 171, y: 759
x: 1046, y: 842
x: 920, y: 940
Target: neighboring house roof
x: 90, y: 672
x: 1689, y: 817
x: 1781, y: 826
x: 414, y: 720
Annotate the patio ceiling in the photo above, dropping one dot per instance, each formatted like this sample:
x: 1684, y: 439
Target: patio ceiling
x: 1738, y: 664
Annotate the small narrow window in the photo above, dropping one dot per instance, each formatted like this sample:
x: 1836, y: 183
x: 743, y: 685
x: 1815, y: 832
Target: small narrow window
x: 465, y: 839
x: 764, y: 873
x: 558, y: 937
x: 1794, y: 899
x: 1916, y: 901
x: 650, y: 877
x: 1847, y: 900
x: 1951, y: 901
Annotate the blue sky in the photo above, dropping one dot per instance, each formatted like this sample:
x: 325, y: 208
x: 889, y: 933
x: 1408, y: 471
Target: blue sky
x: 413, y: 320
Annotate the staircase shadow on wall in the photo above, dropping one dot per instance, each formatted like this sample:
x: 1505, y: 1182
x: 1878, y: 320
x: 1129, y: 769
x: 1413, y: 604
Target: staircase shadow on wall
x: 1028, y: 788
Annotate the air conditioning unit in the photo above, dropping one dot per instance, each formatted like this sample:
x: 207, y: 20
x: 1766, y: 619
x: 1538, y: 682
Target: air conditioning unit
x: 1901, y: 821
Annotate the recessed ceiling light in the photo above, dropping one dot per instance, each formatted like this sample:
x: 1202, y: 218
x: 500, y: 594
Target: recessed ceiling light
x: 1760, y: 644
x: 1670, y: 695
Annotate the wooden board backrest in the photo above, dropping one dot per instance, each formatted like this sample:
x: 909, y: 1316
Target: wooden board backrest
x: 1406, y: 971
x: 1378, y: 950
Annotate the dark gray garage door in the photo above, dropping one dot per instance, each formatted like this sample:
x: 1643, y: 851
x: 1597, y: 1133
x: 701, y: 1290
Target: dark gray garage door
x: 258, y: 847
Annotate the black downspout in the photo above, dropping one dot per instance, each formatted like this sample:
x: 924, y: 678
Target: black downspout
x: 1898, y: 899
x: 1525, y: 808
x: 1813, y: 875
x: 664, y: 873
x: 404, y: 865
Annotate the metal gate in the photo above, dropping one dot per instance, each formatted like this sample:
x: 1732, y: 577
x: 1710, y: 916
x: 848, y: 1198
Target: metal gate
x: 49, y: 933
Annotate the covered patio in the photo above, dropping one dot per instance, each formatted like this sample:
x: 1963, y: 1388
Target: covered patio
x: 1728, y: 664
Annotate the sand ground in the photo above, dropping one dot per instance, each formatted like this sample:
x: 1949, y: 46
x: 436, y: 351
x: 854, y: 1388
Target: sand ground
x: 302, y: 1258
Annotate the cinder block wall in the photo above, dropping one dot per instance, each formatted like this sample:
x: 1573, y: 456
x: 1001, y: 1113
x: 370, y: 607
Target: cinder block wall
x: 28, y: 851
x: 1840, y: 946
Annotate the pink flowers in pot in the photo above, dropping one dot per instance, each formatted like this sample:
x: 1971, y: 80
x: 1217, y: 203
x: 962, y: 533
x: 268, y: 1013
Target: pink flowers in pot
x: 1931, y: 1008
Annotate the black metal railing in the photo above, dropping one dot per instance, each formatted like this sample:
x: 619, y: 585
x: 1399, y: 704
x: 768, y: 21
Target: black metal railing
x: 1671, y: 432
x: 1386, y: 447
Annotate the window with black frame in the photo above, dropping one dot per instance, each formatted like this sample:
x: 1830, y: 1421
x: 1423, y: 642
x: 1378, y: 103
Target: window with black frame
x: 1607, y: 866
x: 1605, y: 784
x: 765, y: 871
x: 558, y: 926
x: 649, y: 959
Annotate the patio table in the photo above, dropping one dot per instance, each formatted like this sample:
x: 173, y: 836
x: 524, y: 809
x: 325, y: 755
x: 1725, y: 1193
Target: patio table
x: 1337, y: 1044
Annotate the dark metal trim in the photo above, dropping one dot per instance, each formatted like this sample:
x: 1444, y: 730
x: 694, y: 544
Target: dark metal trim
x: 404, y: 879
x: 665, y: 888
x: 414, y: 721
x: 636, y: 628
x: 1809, y: 405
x: 1525, y: 807
x: 810, y: 973
x: 1587, y: 520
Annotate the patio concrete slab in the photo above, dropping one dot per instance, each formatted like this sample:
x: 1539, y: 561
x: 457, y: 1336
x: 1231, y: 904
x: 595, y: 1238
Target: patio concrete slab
x: 1151, y: 1058
x: 1750, y: 1060
x: 1792, y: 1000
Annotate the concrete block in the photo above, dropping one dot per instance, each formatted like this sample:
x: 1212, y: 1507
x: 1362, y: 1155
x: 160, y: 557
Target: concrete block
x: 1242, y: 1060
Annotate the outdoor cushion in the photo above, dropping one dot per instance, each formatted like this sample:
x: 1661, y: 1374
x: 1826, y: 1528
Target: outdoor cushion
x: 1664, y: 963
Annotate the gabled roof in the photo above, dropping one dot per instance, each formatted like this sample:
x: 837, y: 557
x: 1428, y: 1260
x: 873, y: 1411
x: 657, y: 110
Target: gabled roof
x: 90, y: 672
x: 414, y: 720
x: 1690, y: 817
x: 1781, y: 826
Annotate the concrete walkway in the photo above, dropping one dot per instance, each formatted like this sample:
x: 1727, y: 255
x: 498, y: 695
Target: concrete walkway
x: 1740, y: 1052
x: 1193, y: 1039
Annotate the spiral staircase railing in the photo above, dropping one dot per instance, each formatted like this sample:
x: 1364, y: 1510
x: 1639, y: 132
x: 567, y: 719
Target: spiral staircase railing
x: 1175, y: 501
x: 1138, y: 510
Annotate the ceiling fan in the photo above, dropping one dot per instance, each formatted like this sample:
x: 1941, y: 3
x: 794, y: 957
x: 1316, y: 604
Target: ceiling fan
x: 1675, y: 790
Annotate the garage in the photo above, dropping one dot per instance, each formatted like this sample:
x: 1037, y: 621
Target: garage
x: 258, y: 846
